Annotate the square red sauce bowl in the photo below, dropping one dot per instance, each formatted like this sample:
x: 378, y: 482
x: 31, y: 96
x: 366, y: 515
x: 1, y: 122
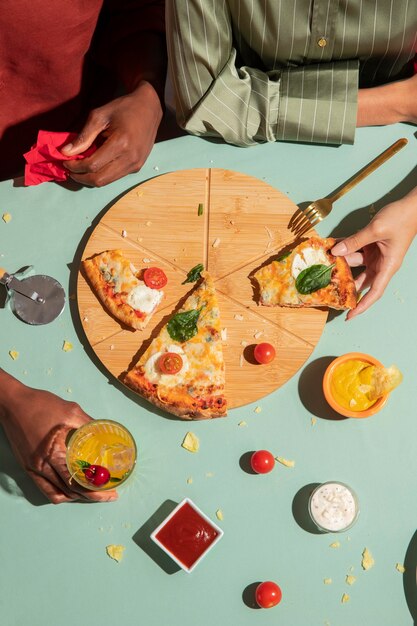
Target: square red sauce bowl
x: 187, y: 535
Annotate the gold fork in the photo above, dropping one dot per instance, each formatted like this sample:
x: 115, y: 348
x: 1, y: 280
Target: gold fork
x: 304, y: 219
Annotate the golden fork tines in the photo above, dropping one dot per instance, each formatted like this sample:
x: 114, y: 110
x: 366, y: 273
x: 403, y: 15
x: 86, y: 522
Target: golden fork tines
x: 304, y: 219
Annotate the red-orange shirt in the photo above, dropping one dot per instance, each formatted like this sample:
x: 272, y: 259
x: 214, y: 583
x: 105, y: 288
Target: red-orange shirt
x: 47, y: 76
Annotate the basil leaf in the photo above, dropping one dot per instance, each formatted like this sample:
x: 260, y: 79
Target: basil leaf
x: 183, y: 326
x: 200, y: 209
x: 194, y: 274
x: 83, y: 464
x: 314, y: 278
x: 283, y: 257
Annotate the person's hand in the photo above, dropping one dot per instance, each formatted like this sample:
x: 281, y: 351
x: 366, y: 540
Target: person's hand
x: 128, y: 126
x: 380, y: 247
x: 37, y: 424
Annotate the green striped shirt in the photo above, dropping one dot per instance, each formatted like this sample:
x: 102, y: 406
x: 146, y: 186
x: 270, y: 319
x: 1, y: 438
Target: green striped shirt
x: 265, y: 70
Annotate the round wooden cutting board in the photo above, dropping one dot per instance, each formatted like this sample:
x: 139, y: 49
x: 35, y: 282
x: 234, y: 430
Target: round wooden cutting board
x: 244, y: 224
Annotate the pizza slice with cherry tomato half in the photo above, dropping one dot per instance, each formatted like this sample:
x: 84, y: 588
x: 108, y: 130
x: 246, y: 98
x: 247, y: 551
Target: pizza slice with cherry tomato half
x: 130, y: 295
x: 182, y: 370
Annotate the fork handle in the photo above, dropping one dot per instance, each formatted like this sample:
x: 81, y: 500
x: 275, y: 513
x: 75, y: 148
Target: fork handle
x: 373, y: 165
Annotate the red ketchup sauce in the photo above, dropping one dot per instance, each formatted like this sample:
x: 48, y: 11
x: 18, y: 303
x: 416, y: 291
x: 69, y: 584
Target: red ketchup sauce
x: 187, y: 535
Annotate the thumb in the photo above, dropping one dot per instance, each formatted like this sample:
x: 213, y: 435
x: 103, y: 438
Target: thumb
x: 354, y: 243
x: 93, y: 127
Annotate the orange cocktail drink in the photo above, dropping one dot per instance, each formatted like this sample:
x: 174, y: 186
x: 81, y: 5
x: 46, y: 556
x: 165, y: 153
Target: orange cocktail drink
x: 101, y: 455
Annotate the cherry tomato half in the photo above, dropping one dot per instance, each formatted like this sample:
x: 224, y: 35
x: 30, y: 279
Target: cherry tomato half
x: 264, y: 353
x: 170, y: 363
x: 268, y: 594
x: 155, y: 278
x: 262, y: 461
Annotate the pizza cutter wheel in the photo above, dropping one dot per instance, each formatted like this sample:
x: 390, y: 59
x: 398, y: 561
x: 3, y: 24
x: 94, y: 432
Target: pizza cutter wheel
x: 35, y: 300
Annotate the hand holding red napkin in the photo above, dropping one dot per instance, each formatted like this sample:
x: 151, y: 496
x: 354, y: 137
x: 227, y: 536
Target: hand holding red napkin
x: 45, y: 161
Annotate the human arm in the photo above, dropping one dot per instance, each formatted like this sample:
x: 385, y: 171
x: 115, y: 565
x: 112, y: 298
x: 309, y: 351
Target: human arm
x: 388, y: 104
x: 216, y: 95
x: 380, y: 247
x: 131, y: 43
x: 37, y: 424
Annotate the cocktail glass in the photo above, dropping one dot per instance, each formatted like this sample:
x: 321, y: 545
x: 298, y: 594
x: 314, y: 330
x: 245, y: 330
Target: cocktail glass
x: 101, y: 444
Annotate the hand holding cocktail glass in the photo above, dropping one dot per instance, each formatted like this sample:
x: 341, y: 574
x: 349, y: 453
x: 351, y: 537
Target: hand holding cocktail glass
x: 37, y: 424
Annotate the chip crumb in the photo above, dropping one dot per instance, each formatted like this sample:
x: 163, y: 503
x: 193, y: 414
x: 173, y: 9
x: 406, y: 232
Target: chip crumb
x: 216, y: 242
x: 350, y: 580
x: 115, y: 552
x: 67, y: 346
x: 258, y: 334
x: 124, y: 233
x: 73, y: 296
x: 335, y: 544
x: 139, y: 239
x: 242, y: 423
x: 241, y: 359
x: 313, y: 421
x: 209, y: 474
x: 189, y: 481
x: 244, y: 343
x: 14, y: 354
x: 191, y: 442
x: 327, y: 581
x: 367, y: 559
x: 400, y: 568
x: 112, y: 346
x: 223, y: 334
x: 257, y: 409
x: 49, y: 371
x: 239, y: 317
x: 147, y: 260
x: 148, y: 223
x: 156, y: 168
x: 127, y: 524
x: 25, y: 372
x: 6, y: 217
x: 139, y: 193
x: 285, y: 462
x: 85, y: 318
x: 69, y: 390
x: 219, y: 515
x: 232, y: 222
x: 345, y: 598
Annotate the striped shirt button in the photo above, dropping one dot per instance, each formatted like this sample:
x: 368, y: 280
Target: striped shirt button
x: 322, y: 42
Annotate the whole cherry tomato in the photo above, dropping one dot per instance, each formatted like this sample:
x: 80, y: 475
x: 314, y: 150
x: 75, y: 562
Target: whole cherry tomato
x: 264, y: 353
x: 262, y: 461
x: 268, y: 594
x: 155, y: 278
x: 170, y: 363
x: 97, y: 475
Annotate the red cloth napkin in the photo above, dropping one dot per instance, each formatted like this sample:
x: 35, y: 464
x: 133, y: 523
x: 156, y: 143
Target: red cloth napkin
x: 45, y: 159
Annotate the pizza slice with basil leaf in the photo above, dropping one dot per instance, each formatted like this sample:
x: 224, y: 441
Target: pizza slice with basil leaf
x: 308, y: 276
x: 127, y: 293
x: 182, y: 370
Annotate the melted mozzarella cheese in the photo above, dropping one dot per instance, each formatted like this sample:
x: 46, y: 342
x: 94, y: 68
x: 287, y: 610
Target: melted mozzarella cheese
x: 143, y: 298
x: 307, y: 257
x: 154, y: 375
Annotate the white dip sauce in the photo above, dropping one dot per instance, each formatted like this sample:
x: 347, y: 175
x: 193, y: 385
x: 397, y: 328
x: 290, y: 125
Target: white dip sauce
x: 333, y: 507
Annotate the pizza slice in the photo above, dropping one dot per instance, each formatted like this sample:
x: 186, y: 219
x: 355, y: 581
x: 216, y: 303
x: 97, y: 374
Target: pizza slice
x: 308, y: 276
x: 182, y: 371
x: 117, y: 285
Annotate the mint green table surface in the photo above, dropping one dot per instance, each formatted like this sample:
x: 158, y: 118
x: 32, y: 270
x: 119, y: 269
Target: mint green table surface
x: 54, y: 569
